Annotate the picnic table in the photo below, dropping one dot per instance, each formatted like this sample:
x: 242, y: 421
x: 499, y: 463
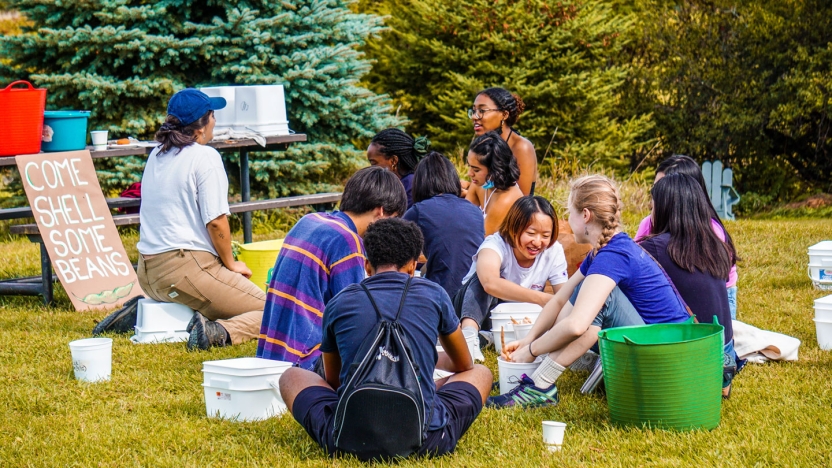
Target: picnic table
x: 43, y: 285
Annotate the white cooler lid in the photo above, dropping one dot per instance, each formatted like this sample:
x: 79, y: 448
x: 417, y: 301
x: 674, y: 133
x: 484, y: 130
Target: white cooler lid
x: 248, y: 366
x: 821, y: 246
x: 514, y: 308
x: 825, y: 302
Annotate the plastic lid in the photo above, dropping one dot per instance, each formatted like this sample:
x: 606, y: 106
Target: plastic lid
x: 827, y: 301
x: 65, y: 114
x: 825, y: 245
x: 245, y: 366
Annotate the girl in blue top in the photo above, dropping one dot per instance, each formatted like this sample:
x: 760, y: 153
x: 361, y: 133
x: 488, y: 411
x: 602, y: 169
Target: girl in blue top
x: 618, y: 284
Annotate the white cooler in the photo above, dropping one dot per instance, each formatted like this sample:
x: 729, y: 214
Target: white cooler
x: 244, y: 389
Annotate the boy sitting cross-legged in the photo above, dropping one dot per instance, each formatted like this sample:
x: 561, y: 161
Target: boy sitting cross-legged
x: 392, y: 247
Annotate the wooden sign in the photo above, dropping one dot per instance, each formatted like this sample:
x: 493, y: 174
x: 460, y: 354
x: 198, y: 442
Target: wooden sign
x: 77, y: 229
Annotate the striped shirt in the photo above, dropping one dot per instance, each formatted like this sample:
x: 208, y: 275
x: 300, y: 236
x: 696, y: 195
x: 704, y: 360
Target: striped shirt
x: 321, y: 255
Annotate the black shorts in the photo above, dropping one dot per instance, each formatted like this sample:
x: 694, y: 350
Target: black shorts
x: 314, y: 408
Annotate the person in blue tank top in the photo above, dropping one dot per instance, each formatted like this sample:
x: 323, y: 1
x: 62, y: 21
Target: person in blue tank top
x: 618, y: 284
x: 452, y: 226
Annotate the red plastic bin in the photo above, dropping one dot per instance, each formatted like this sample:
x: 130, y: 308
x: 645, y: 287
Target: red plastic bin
x: 21, y: 119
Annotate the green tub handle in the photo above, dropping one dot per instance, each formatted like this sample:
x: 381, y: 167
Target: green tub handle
x: 716, y: 320
x: 629, y: 341
x: 691, y: 319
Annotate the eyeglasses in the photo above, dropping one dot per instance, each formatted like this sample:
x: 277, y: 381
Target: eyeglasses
x: 479, y: 113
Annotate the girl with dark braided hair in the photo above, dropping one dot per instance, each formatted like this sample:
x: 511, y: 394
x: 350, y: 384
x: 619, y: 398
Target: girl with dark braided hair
x: 496, y: 109
x: 398, y: 152
x: 618, y: 285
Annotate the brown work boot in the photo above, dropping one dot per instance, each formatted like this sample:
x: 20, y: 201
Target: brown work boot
x: 206, y: 333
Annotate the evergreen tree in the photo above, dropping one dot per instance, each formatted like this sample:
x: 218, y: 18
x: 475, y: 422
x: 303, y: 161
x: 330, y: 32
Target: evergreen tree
x: 559, y: 56
x: 123, y: 59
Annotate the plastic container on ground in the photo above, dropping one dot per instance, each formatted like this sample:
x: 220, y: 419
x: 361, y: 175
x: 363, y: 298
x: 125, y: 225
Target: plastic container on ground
x: 158, y: 337
x: 260, y: 258
x: 64, y: 130
x: 820, y: 265
x: 244, y: 389
x: 21, y: 119
x: 664, y: 375
x: 92, y: 359
x: 510, y: 372
x: 824, y: 331
x: 823, y: 308
x: 156, y: 316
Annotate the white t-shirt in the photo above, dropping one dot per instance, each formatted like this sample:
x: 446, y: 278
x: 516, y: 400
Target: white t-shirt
x: 549, y: 265
x: 182, y: 191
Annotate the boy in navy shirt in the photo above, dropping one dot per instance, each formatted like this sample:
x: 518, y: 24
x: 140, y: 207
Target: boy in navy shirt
x: 393, y: 247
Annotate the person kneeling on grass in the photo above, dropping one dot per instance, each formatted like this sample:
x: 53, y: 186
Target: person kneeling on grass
x: 184, y: 239
x: 618, y: 285
x: 513, y: 264
x: 425, y: 313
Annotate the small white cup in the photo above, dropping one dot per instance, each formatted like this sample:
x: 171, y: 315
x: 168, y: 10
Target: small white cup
x: 92, y: 358
x: 553, y: 433
x: 521, y: 330
x: 99, y: 139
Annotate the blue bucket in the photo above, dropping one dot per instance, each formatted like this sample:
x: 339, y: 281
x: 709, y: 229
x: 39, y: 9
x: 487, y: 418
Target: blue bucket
x: 68, y: 130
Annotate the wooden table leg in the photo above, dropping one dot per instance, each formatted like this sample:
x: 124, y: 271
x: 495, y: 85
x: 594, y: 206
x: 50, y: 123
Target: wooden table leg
x: 46, y: 274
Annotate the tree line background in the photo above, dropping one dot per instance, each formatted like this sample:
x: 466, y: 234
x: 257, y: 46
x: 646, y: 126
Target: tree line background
x: 613, y: 83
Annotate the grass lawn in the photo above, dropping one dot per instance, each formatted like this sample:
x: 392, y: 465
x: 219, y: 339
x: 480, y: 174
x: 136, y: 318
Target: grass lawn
x: 152, y: 412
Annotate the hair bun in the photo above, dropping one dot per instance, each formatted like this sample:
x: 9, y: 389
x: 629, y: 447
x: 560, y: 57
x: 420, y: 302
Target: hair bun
x: 521, y: 106
x: 421, y: 145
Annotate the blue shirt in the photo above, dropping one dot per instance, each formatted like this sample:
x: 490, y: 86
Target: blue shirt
x: 453, y: 231
x: 640, y: 279
x: 407, y: 181
x: 349, y: 317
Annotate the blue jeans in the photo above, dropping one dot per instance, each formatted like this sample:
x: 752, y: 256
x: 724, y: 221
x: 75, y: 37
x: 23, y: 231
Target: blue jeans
x: 617, y: 310
x: 732, y: 301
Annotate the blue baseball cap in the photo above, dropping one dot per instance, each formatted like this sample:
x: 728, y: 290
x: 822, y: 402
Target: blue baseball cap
x: 190, y: 104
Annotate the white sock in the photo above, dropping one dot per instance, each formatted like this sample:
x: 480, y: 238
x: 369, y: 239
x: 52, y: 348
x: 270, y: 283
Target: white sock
x: 547, y: 373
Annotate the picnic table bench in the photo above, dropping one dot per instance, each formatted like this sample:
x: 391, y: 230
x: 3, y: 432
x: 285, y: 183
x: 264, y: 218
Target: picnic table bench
x: 43, y: 285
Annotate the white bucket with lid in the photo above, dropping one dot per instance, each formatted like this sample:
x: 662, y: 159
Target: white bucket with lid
x: 244, y: 389
x: 824, y: 331
x: 820, y: 265
x: 511, y: 372
x: 823, y: 308
x: 92, y: 359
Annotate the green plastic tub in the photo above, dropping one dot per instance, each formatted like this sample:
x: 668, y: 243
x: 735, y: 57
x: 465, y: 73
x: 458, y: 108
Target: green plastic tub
x: 665, y: 376
x: 64, y: 130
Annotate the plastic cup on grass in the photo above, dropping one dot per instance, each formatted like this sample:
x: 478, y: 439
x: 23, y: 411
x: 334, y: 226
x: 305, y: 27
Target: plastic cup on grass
x: 553, y: 433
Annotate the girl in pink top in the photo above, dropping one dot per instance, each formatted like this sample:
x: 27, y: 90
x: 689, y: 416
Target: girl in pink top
x: 680, y: 164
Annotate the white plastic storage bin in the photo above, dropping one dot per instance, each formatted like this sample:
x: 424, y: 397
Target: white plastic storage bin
x: 244, y: 389
x: 162, y: 316
x: 820, y: 265
x: 261, y: 108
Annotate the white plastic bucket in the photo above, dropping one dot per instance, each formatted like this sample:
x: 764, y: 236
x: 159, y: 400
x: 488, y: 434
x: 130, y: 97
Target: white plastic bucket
x: 498, y: 346
x: 92, y: 358
x: 472, y: 339
x: 823, y: 308
x: 244, y: 389
x: 510, y: 372
x: 824, y: 331
x: 156, y: 316
x: 820, y: 265
x: 522, y: 329
x: 503, y: 314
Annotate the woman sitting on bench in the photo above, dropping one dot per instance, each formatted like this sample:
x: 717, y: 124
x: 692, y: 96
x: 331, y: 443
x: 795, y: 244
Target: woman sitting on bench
x: 184, y: 238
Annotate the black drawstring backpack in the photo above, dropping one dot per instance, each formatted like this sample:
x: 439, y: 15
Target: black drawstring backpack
x: 381, y: 413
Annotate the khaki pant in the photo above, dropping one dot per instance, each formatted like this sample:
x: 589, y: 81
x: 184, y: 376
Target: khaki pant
x: 199, y: 280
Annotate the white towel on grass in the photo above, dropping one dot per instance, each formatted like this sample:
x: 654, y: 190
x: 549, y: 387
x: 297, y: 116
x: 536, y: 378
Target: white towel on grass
x: 759, y: 346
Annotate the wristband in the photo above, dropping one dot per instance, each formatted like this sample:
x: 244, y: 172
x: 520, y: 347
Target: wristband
x: 530, y: 350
